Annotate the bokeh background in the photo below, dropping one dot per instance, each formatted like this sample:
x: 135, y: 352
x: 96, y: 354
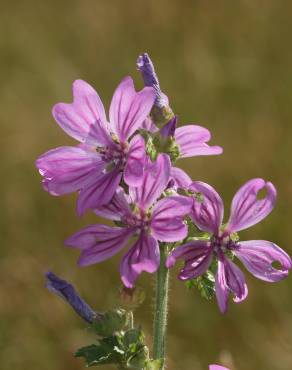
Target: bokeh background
x: 223, y: 64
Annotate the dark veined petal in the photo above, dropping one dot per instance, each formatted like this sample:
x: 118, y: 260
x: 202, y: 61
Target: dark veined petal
x: 208, y: 209
x: 144, y: 255
x: 246, y: 209
x: 229, y: 279
x: 258, y: 257
x: 155, y: 180
x: 133, y: 173
x: 69, y: 169
x: 192, y: 141
x: 167, y: 218
x: 197, y: 256
x: 99, y: 242
x: 84, y: 119
x: 100, y: 192
x: 129, y: 109
x: 117, y: 209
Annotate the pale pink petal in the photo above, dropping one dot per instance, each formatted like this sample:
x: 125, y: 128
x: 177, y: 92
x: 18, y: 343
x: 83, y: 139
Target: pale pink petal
x: 197, y: 256
x: 192, y: 141
x: 68, y: 169
x: 133, y: 173
x: 167, y: 222
x: 217, y: 367
x: 129, y: 109
x: 179, y: 178
x: 155, y: 180
x: 247, y: 209
x: 149, y: 125
x: 258, y: 257
x: 99, y: 193
x: 208, y: 208
x: 144, y: 255
x: 99, y: 242
x: 84, y: 119
x: 117, y: 209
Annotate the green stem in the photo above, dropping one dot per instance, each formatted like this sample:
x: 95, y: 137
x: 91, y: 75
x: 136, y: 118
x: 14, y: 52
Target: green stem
x: 160, y: 309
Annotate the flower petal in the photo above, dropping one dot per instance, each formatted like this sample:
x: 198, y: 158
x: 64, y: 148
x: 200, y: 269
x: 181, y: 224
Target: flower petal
x: 117, y: 209
x: 149, y: 125
x: 197, y: 255
x: 99, y: 242
x: 217, y: 367
x: 192, y: 141
x: 133, y: 173
x: 84, y: 119
x: 67, y: 169
x: 100, y: 192
x: 179, y: 178
x: 246, y: 209
x: 229, y: 278
x: 169, y: 128
x: 155, y: 180
x: 208, y: 208
x: 143, y: 256
x: 167, y: 218
x: 258, y: 257
x: 129, y: 109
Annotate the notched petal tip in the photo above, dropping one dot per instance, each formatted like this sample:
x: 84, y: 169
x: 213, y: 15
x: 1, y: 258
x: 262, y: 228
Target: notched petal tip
x: 249, y: 207
x: 264, y: 259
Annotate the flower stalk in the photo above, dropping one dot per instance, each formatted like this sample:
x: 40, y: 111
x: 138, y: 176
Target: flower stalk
x: 160, y: 308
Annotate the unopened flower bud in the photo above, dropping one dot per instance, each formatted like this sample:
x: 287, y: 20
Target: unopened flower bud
x: 66, y: 291
x: 161, y: 111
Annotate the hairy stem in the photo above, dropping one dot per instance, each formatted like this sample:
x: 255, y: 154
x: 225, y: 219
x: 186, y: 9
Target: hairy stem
x: 160, y: 309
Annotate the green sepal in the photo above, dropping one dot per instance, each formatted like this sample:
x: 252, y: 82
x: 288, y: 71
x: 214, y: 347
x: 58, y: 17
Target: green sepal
x: 161, y: 115
x: 205, y: 284
x: 151, y: 149
x: 111, y: 322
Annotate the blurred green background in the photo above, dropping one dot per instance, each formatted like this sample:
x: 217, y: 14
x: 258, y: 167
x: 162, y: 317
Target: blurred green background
x: 224, y: 64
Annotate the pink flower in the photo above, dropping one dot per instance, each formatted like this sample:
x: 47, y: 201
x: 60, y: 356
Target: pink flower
x: 108, y: 150
x: 217, y: 367
x: 140, y: 214
x: 258, y: 256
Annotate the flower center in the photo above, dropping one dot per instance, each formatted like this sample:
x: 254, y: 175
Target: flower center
x: 115, y: 155
x: 223, y: 244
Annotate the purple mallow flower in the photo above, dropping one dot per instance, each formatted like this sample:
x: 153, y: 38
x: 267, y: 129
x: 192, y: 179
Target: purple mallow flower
x: 66, y: 291
x: 107, y: 151
x: 140, y: 214
x: 258, y: 256
x: 191, y: 139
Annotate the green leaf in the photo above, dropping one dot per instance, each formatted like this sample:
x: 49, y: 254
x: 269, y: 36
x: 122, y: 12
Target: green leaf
x: 111, y: 322
x: 133, y: 336
x: 138, y: 360
x: 97, y: 355
x: 154, y: 364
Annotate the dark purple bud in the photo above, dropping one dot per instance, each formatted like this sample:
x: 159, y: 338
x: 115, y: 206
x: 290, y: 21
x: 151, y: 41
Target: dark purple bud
x: 146, y: 67
x: 169, y: 128
x: 66, y: 291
